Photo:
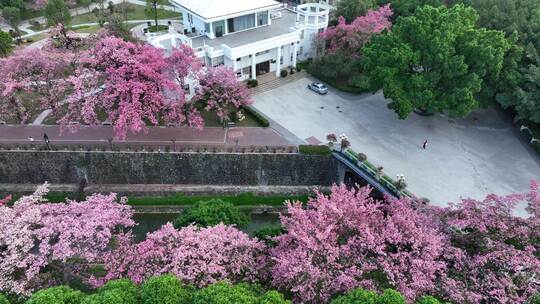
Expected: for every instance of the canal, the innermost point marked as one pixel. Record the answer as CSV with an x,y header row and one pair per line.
x,y
150,222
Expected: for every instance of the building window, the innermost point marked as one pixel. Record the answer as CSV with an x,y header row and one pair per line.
x,y
281,60
207,28
241,23
239,58
217,61
300,50
190,18
262,18
321,30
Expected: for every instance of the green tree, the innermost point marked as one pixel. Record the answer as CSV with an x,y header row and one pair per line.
x,y
3,299
6,44
427,300
12,15
154,9
57,12
436,61
351,9
266,233
56,295
225,293
210,213
409,7
165,289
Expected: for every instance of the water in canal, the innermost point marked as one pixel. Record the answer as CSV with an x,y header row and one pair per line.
x,y
149,222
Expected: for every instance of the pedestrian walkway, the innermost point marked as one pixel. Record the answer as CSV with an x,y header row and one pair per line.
x,y
16,135
269,81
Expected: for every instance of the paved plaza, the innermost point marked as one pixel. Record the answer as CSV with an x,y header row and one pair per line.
x,y
469,157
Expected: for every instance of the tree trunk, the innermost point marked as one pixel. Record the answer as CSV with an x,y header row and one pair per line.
x,y
156,13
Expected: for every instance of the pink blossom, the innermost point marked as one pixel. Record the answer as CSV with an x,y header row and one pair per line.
x,y
196,256
38,238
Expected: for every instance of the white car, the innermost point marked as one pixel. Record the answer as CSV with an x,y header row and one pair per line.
x,y
318,87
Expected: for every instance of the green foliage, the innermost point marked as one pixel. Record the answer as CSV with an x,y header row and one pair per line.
x,y
427,300
314,150
154,9
12,15
535,299
56,295
408,7
56,12
225,293
273,297
165,289
121,291
244,199
390,296
3,299
210,213
6,44
355,296
266,233
437,61
351,9
251,83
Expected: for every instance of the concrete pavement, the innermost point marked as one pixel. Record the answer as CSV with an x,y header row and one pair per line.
x,y
465,157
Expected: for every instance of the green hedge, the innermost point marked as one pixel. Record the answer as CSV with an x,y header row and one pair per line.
x,y
210,213
244,199
315,150
165,289
260,119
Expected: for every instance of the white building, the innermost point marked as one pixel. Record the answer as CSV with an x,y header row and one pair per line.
x,y
253,37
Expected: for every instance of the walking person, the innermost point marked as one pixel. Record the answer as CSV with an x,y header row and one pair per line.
x,y
46,140
424,144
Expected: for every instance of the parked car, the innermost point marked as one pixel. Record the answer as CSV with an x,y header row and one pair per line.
x,y
318,87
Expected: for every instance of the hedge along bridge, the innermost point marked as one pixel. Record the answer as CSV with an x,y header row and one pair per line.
x,y
353,172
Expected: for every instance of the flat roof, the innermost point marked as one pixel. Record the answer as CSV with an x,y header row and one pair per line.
x,y
210,9
278,27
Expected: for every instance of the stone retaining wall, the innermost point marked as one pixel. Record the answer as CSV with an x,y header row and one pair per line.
x,y
35,167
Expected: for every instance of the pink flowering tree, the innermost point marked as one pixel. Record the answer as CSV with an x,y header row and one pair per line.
x,y
43,244
220,91
32,80
128,84
348,240
352,37
184,63
495,254
198,256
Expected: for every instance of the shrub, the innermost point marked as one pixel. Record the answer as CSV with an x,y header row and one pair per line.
x,y
251,83
260,119
210,213
358,295
273,297
222,293
298,68
3,299
121,291
427,300
314,150
535,299
267,232
283,73
56,295
390,296
165,289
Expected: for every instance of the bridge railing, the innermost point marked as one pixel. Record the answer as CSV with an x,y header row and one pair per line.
x,y
383,179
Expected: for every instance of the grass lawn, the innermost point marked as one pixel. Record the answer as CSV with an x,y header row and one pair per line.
x,y
87,29
134,12
211,120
